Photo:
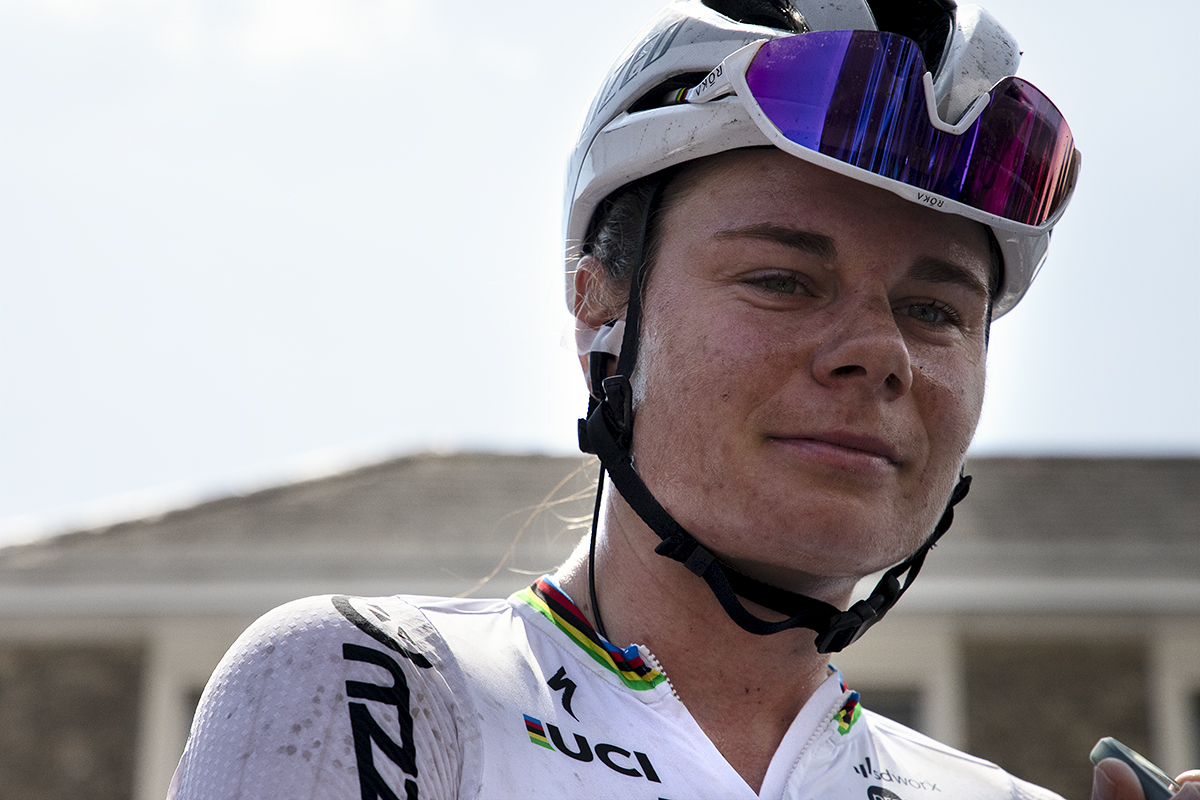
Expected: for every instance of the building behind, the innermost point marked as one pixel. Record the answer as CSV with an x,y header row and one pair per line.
x,y
1063,606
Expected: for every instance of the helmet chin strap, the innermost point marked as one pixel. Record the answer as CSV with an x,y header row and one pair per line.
x,y
608,432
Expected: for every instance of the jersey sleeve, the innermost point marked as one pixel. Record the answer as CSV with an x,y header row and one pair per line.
x,y
333,697
1023,790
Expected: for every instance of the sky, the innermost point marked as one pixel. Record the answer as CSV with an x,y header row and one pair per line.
x,y
247,242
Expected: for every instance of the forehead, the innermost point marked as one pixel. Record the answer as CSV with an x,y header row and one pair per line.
x,y
745,188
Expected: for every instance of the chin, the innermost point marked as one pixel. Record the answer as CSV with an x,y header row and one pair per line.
x,y
812,547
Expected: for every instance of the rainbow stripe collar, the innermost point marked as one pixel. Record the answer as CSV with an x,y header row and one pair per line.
x,y
628,664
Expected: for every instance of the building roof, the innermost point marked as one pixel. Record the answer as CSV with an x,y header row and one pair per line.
x,y
1094,500
426,523
1071,531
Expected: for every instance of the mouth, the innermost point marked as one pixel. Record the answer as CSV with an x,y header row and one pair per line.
x,y
846,449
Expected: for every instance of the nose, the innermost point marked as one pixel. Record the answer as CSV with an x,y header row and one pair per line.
x,y
864,348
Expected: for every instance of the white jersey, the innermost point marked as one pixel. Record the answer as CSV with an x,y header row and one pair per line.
x,y
416,697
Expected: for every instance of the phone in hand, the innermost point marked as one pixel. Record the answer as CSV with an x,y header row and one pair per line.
x,y
1156,784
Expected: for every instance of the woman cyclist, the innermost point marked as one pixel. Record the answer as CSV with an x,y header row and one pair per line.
x,y
789,227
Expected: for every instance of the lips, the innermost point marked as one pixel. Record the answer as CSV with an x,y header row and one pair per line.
x,y
851,445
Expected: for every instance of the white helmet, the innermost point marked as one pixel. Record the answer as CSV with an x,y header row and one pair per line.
x,y
632,131
708,76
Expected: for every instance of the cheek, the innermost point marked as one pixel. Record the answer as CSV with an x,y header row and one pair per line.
x,y
674,400
952,401
700,375
671,366
699,359
669,380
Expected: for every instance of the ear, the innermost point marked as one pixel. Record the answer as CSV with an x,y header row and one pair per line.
x,y
594,306
593,293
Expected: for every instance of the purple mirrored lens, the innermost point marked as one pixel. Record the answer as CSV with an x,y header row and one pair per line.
x,y
858,96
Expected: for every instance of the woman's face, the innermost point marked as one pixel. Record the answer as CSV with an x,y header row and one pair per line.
x,y
812,366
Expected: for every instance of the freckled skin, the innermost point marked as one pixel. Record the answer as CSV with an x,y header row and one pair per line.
x,y
736,381
810,374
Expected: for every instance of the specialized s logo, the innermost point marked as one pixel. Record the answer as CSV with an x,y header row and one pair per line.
x,y
561,683
618,759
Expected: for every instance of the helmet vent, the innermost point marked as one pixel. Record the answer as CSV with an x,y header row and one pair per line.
x,y
778,14
660,94
926,22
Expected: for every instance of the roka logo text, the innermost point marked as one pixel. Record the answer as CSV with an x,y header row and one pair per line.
x,y
930,200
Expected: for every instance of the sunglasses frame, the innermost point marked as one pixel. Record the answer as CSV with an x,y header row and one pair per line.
x,y
729,77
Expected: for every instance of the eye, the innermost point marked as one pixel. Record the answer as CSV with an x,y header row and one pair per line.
x,y
932,313
779,283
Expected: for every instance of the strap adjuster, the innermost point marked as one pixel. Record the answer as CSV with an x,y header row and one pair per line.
x,y
618,401
845,628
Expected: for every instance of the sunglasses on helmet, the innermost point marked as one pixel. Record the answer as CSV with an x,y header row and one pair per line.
x,y
864,99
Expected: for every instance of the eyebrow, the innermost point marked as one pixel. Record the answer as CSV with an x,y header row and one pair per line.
x,y
936,270
817,244
928,268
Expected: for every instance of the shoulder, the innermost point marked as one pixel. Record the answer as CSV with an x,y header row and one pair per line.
x,y
904,757
325,695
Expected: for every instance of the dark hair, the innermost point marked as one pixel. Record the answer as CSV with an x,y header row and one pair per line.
x,y
995,269
617,227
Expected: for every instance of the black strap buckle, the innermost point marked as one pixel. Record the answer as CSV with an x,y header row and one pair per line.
x,y
846,628
618,405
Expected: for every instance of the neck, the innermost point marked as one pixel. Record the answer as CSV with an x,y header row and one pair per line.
x,y
745,707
